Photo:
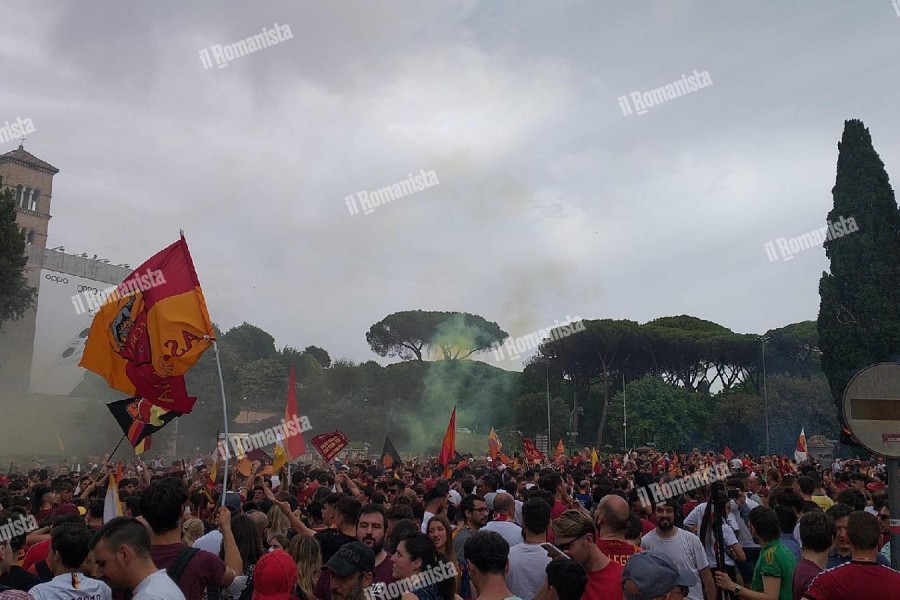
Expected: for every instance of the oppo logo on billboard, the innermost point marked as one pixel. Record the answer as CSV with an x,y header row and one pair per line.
x,y
84,288
56,279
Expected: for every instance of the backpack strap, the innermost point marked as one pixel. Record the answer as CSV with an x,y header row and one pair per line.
x,y
43,570
184,556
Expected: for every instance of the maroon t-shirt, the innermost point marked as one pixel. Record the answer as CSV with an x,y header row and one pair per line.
x,y
805,572
855,580
204,569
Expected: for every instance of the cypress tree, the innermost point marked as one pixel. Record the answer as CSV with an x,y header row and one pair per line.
x,y
16,297
859,311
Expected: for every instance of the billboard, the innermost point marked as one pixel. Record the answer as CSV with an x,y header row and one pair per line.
x,y
60,332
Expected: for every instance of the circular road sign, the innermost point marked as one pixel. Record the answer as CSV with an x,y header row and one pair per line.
x,y
872,408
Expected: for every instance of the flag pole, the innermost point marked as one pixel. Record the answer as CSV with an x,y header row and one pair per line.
x,y
225,419
117,447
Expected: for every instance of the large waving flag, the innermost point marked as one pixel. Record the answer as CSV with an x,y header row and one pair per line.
x,y
800,453
532,454
294,445
448,447
151,330
494,445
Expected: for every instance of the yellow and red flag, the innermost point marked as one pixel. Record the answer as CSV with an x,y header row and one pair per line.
x,y
595,460
448,447
151,330
560,451
294,445
800,453
494,445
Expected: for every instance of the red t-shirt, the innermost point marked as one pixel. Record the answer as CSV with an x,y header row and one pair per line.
x,y
304,496
36,554
855,580
617,550
558,509
605,584
805,572
204,569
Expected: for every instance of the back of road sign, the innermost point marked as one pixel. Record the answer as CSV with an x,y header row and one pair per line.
x,y
872,408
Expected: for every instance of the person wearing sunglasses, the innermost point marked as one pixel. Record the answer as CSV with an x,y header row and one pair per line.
x,y
575,535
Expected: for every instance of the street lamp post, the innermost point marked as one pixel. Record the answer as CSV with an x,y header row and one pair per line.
x,y
763,340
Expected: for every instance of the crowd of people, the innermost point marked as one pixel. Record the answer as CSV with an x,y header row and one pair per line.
x,y
621,526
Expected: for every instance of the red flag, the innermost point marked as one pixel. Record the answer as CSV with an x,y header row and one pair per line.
x,y
329,444
531,451
448,447
294,445
728,453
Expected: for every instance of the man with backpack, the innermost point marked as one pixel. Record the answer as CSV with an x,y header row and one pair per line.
x,y
193,570
69,547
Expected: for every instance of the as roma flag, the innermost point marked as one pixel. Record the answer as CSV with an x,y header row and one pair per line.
x,y
138,418
494,445
531,451
389,455
329,444
151,330
448,447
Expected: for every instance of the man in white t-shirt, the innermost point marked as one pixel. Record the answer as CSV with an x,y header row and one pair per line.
x,y
69,546
504,521
683,549
122,553
528,560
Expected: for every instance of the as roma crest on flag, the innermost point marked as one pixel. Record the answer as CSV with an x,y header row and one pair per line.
x,y
151,330
389,455
138,418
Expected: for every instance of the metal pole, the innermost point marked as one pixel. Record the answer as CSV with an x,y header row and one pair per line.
x,y
624,417
176,438
763,340
548,410
893,465
225,419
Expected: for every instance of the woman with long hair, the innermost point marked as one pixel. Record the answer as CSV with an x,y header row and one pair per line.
x,y
191,530
278,542
246,537
308,556
278,522
441,533
416,563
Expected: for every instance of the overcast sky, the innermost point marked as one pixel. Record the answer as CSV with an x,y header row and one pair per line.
x,y
551,202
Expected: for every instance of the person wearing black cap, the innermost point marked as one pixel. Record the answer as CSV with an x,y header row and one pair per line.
x,y
652,574
351,571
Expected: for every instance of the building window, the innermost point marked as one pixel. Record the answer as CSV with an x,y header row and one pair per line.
x,y
19,197
30,238
35,196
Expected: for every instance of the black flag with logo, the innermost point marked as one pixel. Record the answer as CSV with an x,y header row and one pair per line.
x,y
389,455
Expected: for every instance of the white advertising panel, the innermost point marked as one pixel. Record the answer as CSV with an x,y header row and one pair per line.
x,y
60,331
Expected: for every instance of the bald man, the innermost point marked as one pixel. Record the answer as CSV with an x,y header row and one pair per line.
x,y
262,523
504,521
611,517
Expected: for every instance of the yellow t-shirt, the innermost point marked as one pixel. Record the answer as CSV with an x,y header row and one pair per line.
x,y
824,502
